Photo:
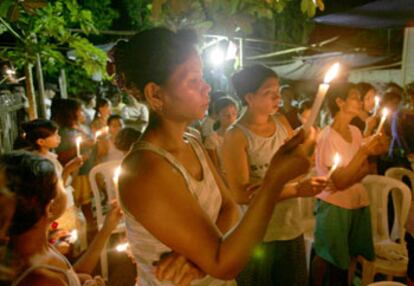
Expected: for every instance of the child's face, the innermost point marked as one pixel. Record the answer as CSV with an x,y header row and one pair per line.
x,y
52,141
227,115
115,126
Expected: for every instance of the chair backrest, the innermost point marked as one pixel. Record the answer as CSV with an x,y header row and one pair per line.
x,y
400,174
378,188
106,171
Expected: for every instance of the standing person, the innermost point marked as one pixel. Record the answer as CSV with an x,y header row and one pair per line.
x,y
102,112
248,148
343,222
89,105
365,121
69,115
110,152
226,110
177,209
288,110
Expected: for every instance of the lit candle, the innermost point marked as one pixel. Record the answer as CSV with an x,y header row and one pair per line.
x,y
122,247
73,236
336,162
78,146
384,116
377,103
115,178
323,88
97,134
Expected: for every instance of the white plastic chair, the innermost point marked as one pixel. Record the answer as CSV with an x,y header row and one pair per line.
x,y
391,257
399,174
308,220
107,170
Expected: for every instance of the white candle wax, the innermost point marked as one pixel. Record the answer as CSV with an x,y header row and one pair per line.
x,y
78,146
377,103
115,179
384,116
323,88
336,162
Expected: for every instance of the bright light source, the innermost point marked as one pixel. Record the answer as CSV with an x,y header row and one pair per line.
x,y
10,72
73,236
122,247
231,51
217,57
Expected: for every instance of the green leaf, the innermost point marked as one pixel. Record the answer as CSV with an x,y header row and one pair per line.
x,y
5,6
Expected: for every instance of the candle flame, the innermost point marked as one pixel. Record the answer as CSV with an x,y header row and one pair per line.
x,y
377,100
122,247
98,133
78,140
117,173
331,73
385,112
73,236
337,159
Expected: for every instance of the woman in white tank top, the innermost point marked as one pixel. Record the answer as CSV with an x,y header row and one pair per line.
x,y
177,207
248,148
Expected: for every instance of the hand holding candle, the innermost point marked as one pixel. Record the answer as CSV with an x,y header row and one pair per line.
x,y
322,90
336,162
78,146
384,116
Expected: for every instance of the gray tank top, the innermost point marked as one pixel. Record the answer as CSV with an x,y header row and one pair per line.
x,y
285,222
146,248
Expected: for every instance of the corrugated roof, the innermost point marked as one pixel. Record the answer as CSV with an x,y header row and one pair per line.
x,y
375,15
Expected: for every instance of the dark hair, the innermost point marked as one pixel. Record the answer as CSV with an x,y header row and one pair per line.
x,y
363,88
250,78
152,56
64,112
112,118
223,102
304,104
38,129
125,138
338,90
102,101
390,96
86,96
32,179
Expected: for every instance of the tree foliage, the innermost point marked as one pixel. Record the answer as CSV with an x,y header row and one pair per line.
x,y
47,31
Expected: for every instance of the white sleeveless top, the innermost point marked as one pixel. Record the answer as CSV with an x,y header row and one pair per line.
x,y
285,222
146,248
69,273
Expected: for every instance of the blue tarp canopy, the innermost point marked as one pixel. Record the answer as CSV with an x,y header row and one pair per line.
x,y
381,14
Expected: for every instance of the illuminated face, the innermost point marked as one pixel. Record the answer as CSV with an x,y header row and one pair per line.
x,y
369,100
105,110
186,93
352,104
227,115
115,126
266,99
53,141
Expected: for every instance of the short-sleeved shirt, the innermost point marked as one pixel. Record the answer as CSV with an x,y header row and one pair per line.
x,y
329,143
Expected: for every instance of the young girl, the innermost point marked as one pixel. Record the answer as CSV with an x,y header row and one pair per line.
x,y
69,115
248,148
225,109
42,135
102,113
364,120
343,225
110,152
32,180
176,206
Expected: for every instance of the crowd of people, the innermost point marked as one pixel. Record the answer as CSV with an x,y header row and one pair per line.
x,y
208,198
